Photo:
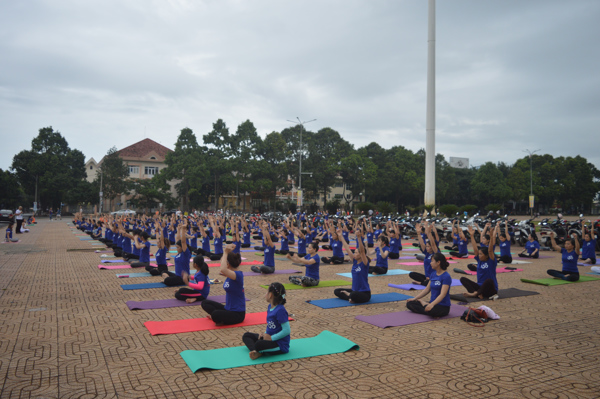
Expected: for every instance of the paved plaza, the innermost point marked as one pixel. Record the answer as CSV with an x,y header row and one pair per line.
x,y
65,332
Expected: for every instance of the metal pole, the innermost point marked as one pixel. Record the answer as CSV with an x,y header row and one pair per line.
x,y
531,174
430,125
299,192
101,194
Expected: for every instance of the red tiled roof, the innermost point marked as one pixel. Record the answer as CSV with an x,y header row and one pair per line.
x,y
143,148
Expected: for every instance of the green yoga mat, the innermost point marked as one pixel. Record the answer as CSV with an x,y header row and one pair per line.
x,y
326,343
322,283
556,281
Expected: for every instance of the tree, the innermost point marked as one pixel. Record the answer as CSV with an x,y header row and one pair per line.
x,y
358,172
50,166
188,164
113,173
11,193
489,185
148,193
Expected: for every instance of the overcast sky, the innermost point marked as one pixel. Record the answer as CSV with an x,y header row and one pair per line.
x,y
511,75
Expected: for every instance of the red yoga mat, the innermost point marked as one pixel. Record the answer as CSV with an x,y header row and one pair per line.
x,y
254,262
202,324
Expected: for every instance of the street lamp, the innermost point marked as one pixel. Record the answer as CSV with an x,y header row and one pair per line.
x,y
531,177
300,163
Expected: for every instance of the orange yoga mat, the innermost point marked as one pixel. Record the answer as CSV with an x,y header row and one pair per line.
x,y
190,325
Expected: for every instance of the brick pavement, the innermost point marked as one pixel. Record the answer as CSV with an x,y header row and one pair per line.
x,y
65,332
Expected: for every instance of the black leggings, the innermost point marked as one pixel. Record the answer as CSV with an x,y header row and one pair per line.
x,y
437,311
219,315
263,269
245,246
173,280
377,270
336,260
253,343
455,254
215,256
486,290
282,251
451,248
299,254
526,255
157,271
393,255
420,278
185,293
140,264
328,247
354,296
505,259
567,276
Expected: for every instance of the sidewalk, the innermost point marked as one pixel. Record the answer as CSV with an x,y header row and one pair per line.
x,y
65,332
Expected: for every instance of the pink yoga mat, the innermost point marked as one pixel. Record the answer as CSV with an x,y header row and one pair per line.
x,y
112,267
498,270
397,319
419,263
202,324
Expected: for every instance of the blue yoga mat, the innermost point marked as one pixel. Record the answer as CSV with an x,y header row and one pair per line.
x,y
391,272
146,274
143,286
377,298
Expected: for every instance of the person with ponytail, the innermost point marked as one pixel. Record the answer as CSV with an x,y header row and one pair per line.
x,y
164,245
486,286
312,262
234,310
182,260
276,339
439,286
462,244
429,248
381,252
361,291
199,284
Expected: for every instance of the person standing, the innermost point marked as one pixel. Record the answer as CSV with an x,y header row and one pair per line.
x,y
19,219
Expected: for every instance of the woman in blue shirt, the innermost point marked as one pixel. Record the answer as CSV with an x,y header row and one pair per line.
x,y
199,283
532,248
486,285
505,254
276,339
428,248
462,244
570,254
588,249
268,266
312,262
234,310
143,245
439,286
182,260
382,252
336,245
164,245
361,291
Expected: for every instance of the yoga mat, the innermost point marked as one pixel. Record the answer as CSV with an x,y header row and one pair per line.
x,y
498,270
284,271
123,261
468,257
253,262
204,323
406,257
408,287
86,239
397,319
169,303
505,293
102,252
518,262
131,275
391,272
113,267
326,343
322,283
145,286
331,303
556,281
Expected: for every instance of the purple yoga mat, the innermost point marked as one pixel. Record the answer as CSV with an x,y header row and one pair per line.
x,y
406,257
408,287
397,319
285,271
169,303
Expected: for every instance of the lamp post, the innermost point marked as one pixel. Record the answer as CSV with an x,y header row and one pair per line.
x,y
300,155
531,178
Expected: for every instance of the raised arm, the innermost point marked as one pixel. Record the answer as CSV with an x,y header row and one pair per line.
x,y
492,242
473,242
421,243
432,243
344,243
361,246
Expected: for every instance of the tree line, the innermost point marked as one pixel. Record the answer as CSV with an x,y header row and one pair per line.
x,y
225,162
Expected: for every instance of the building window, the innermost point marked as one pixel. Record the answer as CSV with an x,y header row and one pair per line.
x,y
151,170
339,184
153,157
339,196
348,186
134,170
91,167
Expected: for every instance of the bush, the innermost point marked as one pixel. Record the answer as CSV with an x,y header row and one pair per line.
x,y
470,209
333,206
385,208
449,209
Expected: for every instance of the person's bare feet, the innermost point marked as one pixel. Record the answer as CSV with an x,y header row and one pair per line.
x,y
350,300
255,355
208,317
190,300
470,295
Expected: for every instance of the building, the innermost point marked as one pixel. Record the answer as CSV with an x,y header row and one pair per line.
x,y
145,159
90,169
